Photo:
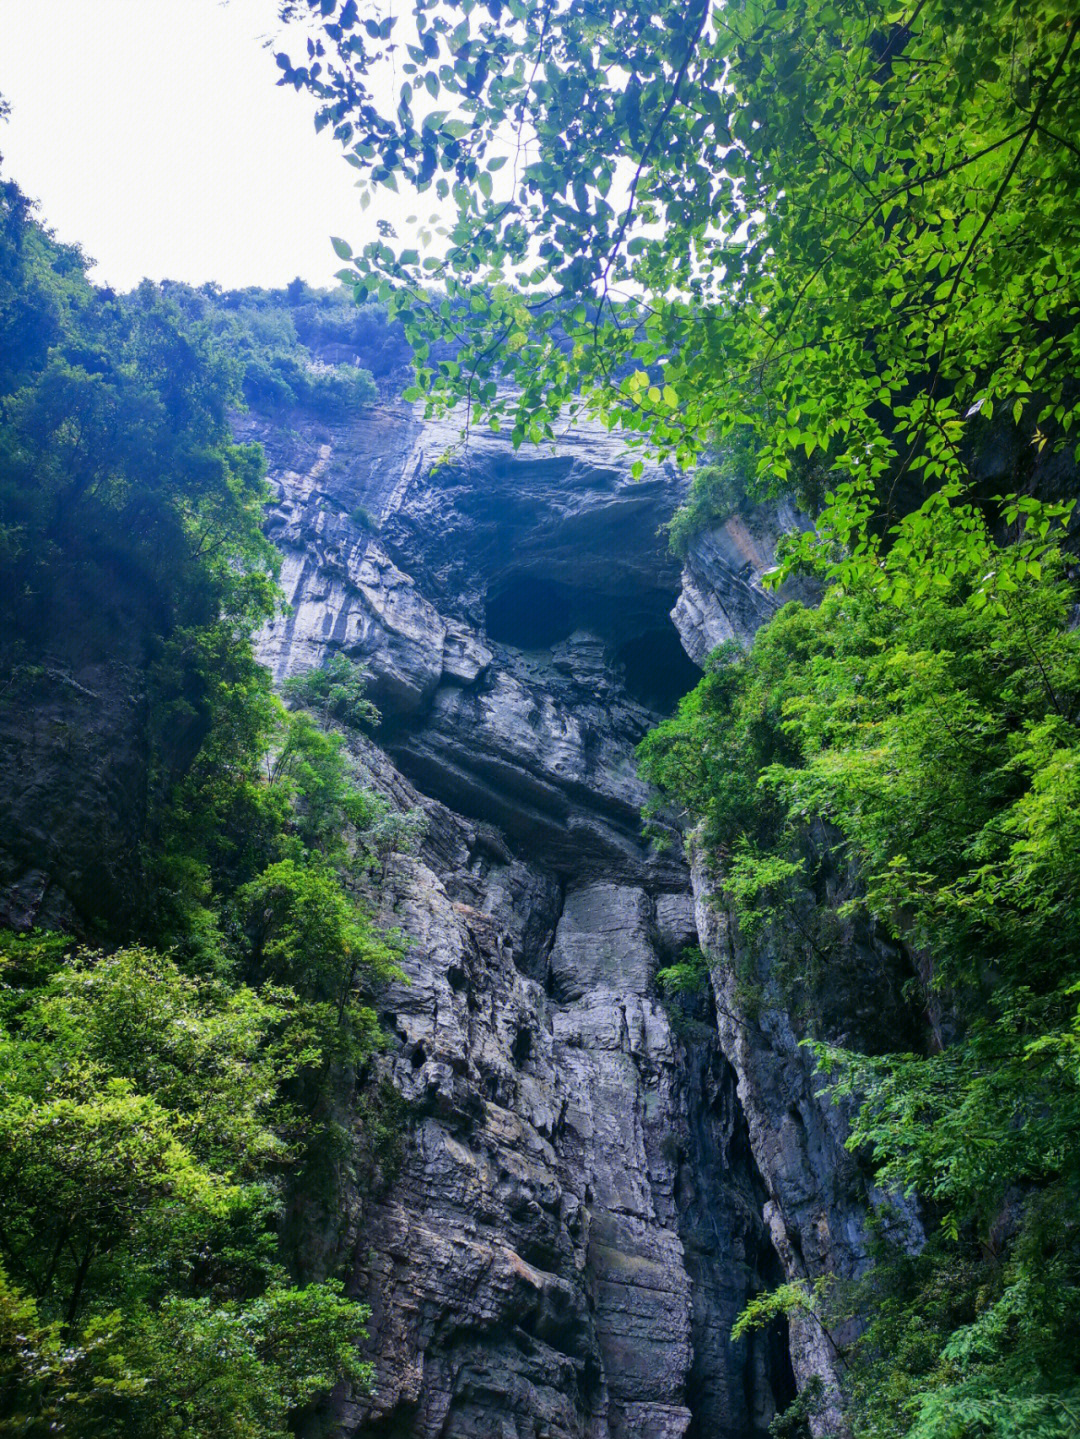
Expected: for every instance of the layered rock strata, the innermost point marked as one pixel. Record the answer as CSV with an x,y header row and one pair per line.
x,y
578,1217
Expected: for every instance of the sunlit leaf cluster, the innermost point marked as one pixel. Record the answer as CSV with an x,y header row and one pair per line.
x,y
853,229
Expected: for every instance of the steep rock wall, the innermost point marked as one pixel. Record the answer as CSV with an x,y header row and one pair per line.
x,y
578,1217
722,596
74,750
820,1198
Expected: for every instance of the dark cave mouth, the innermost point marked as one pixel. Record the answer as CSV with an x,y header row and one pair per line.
x,y
657,670
532,612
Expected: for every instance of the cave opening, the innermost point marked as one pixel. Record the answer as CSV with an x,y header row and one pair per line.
x,y
522,1047
657,670
533,612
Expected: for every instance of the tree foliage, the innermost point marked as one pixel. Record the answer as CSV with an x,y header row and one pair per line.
x,y
835,246
337,690
115,452
939,742
836,227
144,1128
169,1099
279,342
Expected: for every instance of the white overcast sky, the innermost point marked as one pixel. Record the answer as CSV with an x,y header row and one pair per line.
x,y
153,134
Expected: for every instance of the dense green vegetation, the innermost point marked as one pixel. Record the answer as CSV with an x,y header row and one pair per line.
x,y
300,347
178,1098
143,1126
940,742
831,227
832,247
279,346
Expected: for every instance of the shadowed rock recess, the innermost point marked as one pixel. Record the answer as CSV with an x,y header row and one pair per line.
x,y
581,1208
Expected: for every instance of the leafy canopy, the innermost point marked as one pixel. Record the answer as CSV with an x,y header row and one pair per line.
x,y
116,458
840,227
274,337
143,1119
927,755
179,1112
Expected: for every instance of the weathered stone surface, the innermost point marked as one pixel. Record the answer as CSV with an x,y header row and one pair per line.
x,y
73,784
577,1220
74,744
510,610
820,1196
546,760
722,596
583,1203
676,922
533,1236
603,941
591,1185
543,1262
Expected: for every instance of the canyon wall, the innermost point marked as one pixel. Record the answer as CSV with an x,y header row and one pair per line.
x,y
591,1183
589,1190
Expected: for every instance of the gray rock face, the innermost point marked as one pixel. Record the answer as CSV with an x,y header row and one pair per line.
x,y
73,776
74,743
512,611
577,1219
589,1190
575,1225
603,942
820,1196
722,596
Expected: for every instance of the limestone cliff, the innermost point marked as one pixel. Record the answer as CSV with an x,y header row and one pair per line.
x,y
588,1195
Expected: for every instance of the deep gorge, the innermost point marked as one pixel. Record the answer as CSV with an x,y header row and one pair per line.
x,y
586,1196
540,784
583,1207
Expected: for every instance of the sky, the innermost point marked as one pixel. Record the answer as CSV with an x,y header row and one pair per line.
x,y
153,134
